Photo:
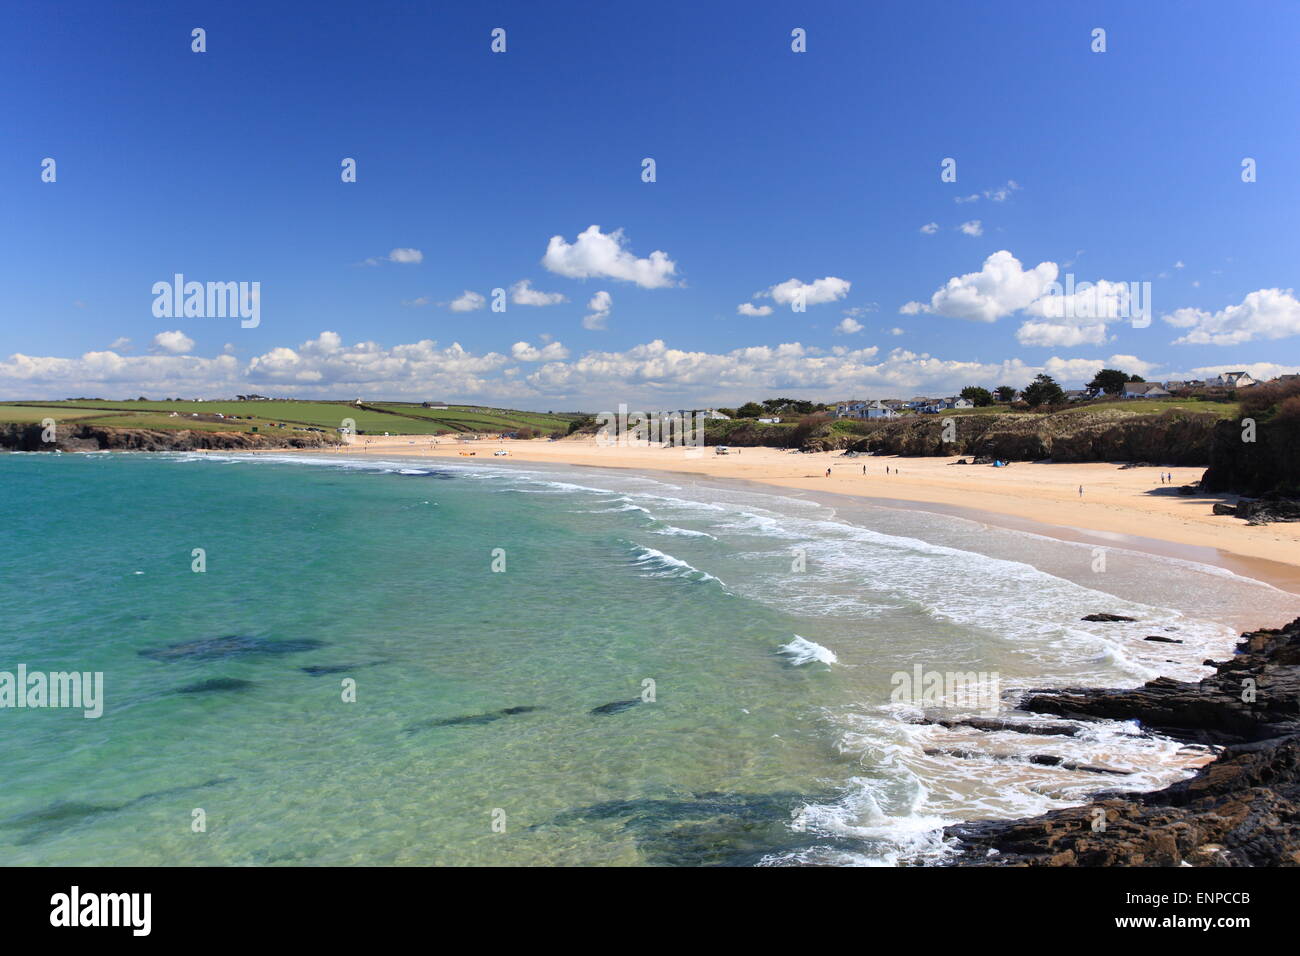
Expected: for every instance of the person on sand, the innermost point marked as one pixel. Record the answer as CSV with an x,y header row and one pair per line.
x,y
828,472
864,469
1081,491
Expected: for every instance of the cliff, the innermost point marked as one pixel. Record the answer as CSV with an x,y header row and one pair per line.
x,y
1268,465
27,437
1171,438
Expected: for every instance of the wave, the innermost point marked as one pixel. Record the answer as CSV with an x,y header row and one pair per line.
x,y
655,563
803,651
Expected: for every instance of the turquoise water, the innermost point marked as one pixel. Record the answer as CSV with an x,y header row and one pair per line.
x,y
481,695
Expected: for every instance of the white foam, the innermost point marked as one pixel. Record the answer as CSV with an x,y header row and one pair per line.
x,y
803,651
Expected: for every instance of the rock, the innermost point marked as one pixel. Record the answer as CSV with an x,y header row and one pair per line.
x,y
613,707
1220,508
1242,809
1162,640
1108,618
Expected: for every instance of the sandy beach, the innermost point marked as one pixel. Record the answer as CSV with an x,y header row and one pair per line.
x,y
1125,507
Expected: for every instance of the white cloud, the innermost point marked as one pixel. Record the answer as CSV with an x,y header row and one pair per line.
x,y
1263,314
652,374
817,292
550,352
176,343
597,255
418,301
895,331
1060,336
403,256
748,308
522,293
1179,264
997,194
120,344
1001,287
972,228
848,327
929,229
467,302
1260,371
599,305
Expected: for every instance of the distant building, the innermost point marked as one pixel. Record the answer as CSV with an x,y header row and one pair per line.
x,y
851,409
1077,394
880,410
1232,380
433,405
1144,390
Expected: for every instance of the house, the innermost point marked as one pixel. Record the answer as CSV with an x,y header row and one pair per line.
x,y
1077,394
1183,387
962,403
770,421
1232,380
851,409
880,410
1144,390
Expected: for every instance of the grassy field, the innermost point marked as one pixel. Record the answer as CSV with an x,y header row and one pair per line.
x,y
1135,406
277,416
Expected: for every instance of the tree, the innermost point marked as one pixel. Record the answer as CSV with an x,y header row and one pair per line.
x,y
1043,390
979,397
1110,380
1005,393
749,410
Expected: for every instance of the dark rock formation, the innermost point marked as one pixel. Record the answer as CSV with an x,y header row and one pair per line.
x,y
27,437
1263,510
1269,464
1242,809
1107,618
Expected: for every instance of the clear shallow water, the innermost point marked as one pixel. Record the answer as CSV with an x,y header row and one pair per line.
x,y
772,738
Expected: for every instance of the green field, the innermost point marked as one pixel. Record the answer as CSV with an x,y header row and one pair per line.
x,y
280,416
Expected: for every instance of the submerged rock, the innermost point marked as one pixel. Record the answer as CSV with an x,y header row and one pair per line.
x,y
469,719
613,707
1107,618
232,645
216,684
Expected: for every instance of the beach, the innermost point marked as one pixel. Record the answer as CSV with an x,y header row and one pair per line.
x,y
1128,506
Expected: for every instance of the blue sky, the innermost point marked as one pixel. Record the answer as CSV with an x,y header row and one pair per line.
x,y
771,166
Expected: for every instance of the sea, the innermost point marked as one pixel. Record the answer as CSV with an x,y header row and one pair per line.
x,y
334,660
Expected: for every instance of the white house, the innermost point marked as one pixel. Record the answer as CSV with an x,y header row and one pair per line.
x,y
880,410
1144,390
851,410
1232,380
962,403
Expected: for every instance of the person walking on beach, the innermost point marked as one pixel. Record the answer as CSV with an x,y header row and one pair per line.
x,y
1081,491
864,469
828,472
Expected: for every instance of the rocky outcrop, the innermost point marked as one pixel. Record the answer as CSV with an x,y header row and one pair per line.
x,y
24,437
1255,461
1242,809
1264,510
1171,438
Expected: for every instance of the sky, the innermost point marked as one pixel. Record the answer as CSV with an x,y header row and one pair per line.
x,y
916,178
